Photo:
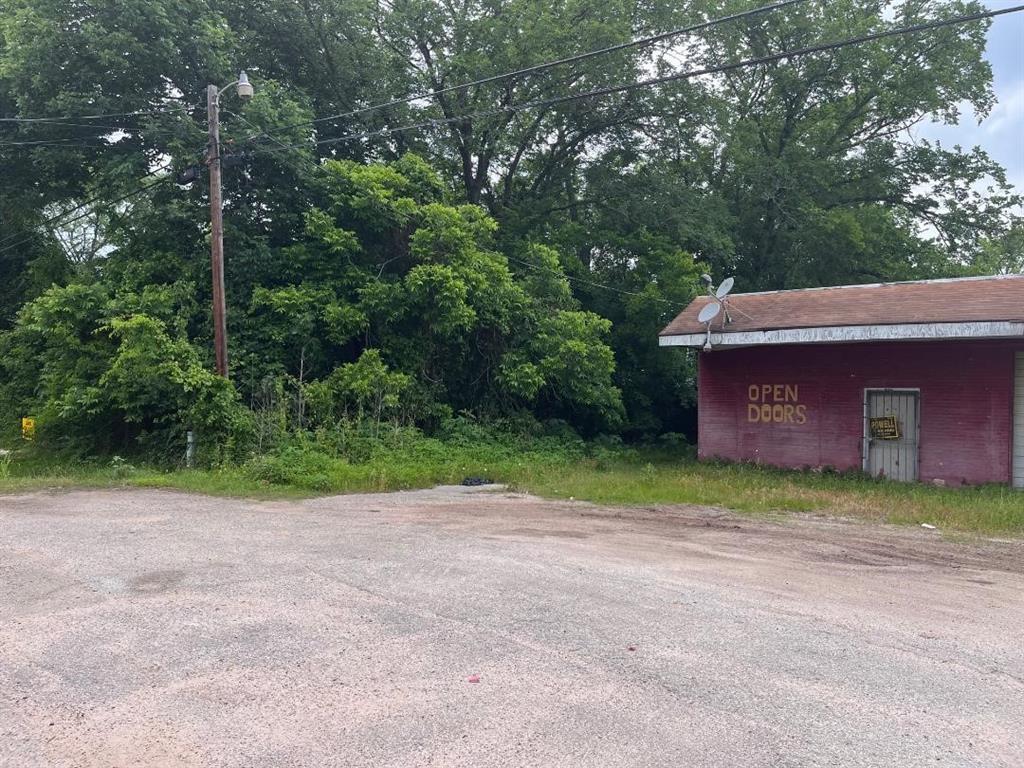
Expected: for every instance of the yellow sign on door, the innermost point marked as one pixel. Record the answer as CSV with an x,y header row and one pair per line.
x,y
884,428
28,428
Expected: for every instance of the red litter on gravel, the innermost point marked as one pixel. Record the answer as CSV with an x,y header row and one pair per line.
x,y
631,648
473,679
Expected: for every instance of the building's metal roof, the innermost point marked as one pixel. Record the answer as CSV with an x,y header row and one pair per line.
x,y
973,299
975,307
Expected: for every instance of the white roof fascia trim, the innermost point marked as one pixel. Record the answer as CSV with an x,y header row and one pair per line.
x,y
849,333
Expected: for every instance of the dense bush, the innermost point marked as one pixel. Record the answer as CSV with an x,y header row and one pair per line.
x,y
99,377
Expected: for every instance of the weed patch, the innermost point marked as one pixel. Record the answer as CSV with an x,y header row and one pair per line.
x,y
556,467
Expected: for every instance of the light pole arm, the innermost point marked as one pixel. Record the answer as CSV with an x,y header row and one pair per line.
x,y
221,91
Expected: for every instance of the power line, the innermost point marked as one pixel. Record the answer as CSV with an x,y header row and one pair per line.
x,y
640,84
718,69
64,118
76,141
98,198
264,132
63,123
574,279
61,221
638,43
87,202
316,166
122,198
71,122
926,26
108,131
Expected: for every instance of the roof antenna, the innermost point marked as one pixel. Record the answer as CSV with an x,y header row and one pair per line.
x,y
708,313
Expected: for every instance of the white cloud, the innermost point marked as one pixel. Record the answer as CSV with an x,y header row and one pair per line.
x,y
1008,114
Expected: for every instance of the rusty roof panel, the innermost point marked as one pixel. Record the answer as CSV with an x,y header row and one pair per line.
x,y
999,298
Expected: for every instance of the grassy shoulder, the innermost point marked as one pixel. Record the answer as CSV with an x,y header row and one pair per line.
x,y
988,510
307,467
555,470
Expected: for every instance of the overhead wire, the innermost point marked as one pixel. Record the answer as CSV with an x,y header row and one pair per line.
x,y
540,103
87,202
64,118
72,141
584,281
717,69
5,242
63,123
71,122
269,135
637,43
61,220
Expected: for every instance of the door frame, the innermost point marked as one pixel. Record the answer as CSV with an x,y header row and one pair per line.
x,y
865,444
1016,440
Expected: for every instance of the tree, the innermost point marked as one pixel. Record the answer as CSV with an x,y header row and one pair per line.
x,y
419,282
501,158
813,157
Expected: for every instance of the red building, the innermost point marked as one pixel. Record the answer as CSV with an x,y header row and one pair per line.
x,y
913,381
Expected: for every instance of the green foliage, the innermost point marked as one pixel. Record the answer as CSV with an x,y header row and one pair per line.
x,y
814,172
658,477
406,313
429,307
100,380
359,457
301,467
506,263
120,470
363,390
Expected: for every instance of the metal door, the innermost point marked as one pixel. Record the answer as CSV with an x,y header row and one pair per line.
x,y
1018,424
890,433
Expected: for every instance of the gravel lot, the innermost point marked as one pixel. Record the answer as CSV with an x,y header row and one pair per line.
x,y
151,628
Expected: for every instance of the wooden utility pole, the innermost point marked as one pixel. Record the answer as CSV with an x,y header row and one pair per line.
x,y
220,326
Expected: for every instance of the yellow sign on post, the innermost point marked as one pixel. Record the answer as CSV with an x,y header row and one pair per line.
x,y
28,428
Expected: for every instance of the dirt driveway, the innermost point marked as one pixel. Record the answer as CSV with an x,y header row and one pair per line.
x,y
150,628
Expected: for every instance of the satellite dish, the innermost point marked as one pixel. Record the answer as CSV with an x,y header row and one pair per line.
x,y
708,312
724,288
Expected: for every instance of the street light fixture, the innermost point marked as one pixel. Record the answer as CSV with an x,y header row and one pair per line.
x,y
244,91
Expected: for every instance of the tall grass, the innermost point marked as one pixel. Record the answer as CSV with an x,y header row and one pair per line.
x,y
985,509
337,462
556,467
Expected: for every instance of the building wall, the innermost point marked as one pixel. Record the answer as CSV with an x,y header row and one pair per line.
x,y
815,399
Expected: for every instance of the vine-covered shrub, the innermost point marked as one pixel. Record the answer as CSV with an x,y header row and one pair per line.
x,y
100,378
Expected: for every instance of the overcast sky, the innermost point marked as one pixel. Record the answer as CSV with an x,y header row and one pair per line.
x,y
1001,134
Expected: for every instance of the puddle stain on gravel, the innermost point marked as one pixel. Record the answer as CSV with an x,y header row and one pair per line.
x,y
540,533
157,581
